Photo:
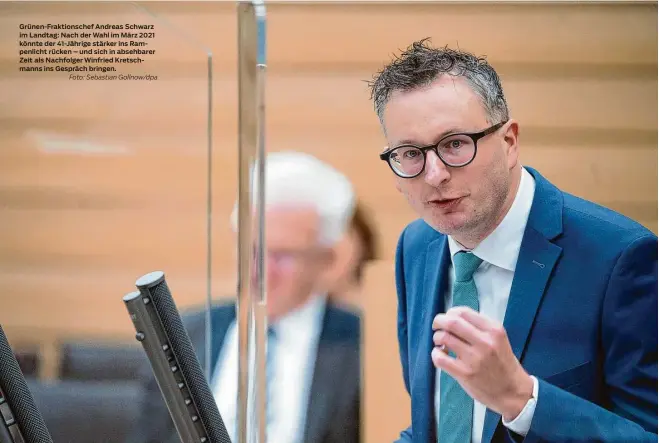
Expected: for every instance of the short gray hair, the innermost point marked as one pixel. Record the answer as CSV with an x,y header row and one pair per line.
x,y
420,64
296,180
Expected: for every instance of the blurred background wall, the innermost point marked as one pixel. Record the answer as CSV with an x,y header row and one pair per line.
x,y
101,182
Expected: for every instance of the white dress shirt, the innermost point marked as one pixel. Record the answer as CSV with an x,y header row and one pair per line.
x,y
493,278
295,348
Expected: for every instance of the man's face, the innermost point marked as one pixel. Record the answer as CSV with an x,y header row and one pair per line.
x,y
295,261
455,201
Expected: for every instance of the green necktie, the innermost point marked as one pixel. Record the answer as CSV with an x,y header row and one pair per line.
x,y
455,406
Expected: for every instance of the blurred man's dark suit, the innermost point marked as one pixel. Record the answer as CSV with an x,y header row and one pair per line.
x,y
333,413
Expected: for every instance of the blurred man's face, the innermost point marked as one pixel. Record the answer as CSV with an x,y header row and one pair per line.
x,y
295,262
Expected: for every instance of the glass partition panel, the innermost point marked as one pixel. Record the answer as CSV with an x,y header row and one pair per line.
x,y
104,177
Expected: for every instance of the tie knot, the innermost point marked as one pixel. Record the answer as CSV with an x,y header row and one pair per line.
x,y
271,332
465,264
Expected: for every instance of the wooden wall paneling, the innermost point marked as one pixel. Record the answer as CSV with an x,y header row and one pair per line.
x,y
323,99
386,404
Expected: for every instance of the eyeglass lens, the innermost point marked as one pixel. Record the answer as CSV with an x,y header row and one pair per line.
x,y
455,151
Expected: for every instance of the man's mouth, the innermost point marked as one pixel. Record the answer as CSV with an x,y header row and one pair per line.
x,y
444,203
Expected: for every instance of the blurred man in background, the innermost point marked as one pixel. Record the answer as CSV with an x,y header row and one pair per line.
x,y
313,356
542,307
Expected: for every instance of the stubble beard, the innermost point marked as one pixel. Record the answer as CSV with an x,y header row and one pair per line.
x,y
473,222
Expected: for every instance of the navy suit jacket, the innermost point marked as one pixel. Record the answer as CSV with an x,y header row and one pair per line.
x,y
581,317
333,412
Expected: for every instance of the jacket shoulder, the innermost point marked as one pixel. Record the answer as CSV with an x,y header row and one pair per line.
x,y
600,224
195,318
418,233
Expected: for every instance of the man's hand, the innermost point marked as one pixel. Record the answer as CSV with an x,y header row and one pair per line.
x,y
484,363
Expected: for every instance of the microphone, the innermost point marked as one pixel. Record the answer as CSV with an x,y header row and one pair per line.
x,y
177,370
20,420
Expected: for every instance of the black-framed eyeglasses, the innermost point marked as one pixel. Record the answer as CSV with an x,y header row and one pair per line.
x,y
454,150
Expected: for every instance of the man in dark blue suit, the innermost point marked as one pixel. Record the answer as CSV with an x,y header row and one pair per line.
x,y
313,352
525,313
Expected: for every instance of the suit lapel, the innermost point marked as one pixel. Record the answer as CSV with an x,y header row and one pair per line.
x,y
324,389
332,355
423,387
535,264
221,317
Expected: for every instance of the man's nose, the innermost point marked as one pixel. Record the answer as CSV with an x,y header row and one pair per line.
x,y
436,171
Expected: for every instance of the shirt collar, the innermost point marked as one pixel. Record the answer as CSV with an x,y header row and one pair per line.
x,y
501,247
302,320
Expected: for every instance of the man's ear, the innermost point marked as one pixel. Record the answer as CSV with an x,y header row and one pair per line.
x,y
327,270
329,256
510,139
